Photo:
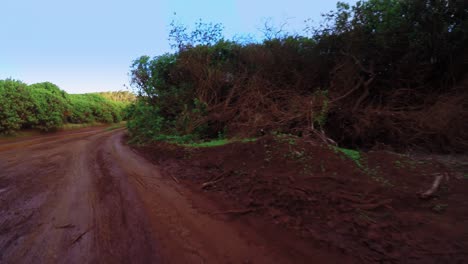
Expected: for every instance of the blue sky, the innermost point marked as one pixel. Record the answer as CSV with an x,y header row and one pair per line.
x,y
88,45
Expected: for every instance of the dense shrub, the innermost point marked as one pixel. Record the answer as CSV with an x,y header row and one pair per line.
x,y
146,122
45,106
93,108
50,106
376,72
16,106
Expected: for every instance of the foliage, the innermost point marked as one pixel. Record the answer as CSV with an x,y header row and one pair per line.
x,y
379,71
46,107
119,96
94,108
50,106
146,122
217,142
211,143
16,105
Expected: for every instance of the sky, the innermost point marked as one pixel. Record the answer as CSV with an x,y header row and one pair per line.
x,y
89,45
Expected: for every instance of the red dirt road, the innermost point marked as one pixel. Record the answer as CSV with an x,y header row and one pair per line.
x,y
85,197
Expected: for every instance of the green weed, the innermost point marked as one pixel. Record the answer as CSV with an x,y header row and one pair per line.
x,y
192,142
208,144
217,143
351,154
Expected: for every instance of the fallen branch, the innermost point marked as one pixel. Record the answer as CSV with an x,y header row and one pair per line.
x,y
360,82
210,183
321,135
435,186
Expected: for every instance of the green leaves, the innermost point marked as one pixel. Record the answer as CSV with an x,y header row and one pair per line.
x,y
45,107
50,105
16,105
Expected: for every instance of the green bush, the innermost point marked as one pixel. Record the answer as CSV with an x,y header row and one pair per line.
x,y
50,106
146,122
16,106
86,108
46,107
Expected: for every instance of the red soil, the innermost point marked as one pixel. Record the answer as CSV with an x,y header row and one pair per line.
x,y
308,195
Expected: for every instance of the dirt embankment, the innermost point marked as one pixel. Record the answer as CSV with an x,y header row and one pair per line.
x,y
367,209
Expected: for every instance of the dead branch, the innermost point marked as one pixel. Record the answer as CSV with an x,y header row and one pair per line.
x,y
210,183
435,186
364,95
369,70
357,86
321,135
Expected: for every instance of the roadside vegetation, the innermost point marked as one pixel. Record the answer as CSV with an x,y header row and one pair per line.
x,y
44,106
377,73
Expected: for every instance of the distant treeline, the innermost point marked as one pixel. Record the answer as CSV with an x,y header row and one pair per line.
x,y
119,96
46,107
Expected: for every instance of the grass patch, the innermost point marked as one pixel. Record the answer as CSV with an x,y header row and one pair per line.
x,y
208,144
217,142
351,154
189,141
76,126
356,156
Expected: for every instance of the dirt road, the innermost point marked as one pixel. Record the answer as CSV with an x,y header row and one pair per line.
x,y
86,197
